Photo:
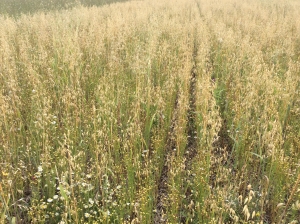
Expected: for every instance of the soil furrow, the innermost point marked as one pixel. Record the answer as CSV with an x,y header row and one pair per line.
x,y
223,144
191,146
162,196
191,116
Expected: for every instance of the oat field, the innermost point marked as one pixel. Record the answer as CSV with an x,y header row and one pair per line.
x,y
153,111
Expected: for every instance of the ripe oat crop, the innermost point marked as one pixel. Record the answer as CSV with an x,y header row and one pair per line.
x,y
181,111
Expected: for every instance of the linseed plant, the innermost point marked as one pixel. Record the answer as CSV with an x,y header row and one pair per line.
x,y
151,112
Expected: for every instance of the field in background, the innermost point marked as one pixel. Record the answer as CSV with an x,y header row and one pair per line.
x,y
18,7
182,111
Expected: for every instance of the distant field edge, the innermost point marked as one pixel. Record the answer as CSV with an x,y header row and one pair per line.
x,y
15,8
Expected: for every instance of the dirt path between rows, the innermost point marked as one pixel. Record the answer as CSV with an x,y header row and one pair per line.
x,y
162,196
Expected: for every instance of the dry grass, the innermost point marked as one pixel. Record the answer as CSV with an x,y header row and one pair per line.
x,y
151,112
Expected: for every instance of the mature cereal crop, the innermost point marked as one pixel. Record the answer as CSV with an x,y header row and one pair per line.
x,y
181,111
